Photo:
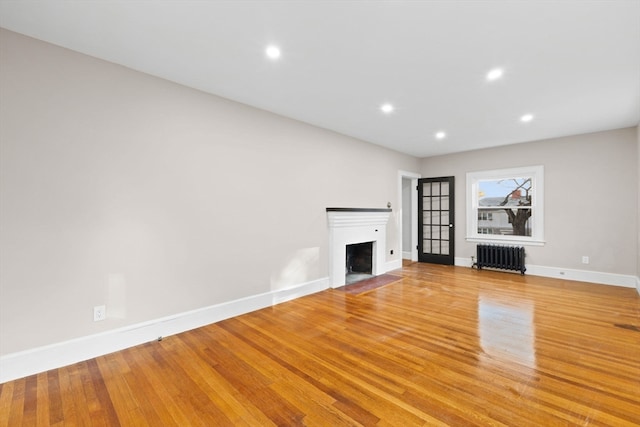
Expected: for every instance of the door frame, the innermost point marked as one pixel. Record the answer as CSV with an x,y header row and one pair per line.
x,y
414,212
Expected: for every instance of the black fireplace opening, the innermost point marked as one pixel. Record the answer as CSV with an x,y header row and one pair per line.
x,y
359,262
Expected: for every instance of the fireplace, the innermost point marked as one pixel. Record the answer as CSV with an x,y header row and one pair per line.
x,y
359,262
356,226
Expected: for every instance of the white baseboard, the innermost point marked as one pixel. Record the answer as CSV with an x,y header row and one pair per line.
x,y
612,279
406,255
462,262
393,265
41,359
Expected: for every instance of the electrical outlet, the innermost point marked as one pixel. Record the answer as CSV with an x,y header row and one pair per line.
x,y
585,259
391,251
99,313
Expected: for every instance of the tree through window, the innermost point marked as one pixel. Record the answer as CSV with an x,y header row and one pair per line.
x,y
508,203
505,205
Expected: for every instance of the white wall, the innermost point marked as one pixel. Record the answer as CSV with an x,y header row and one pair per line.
x,y
591,189
406,217
117,187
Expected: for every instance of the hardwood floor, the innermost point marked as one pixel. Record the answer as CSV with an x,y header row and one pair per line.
x,y
439,346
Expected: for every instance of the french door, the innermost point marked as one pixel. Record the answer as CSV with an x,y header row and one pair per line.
x,y
436,220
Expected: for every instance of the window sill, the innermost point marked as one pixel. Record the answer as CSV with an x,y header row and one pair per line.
x,y
503,241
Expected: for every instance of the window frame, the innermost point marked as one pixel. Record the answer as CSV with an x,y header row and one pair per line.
x,y
537,205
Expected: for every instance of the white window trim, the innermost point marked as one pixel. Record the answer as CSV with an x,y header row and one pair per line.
x,y
537,205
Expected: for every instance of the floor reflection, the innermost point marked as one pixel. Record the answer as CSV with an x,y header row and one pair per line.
x,y
507,332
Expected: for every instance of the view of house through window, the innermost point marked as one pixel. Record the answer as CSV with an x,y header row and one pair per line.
x,y
506,205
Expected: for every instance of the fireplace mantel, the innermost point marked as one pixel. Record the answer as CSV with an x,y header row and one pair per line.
x,y
358,209
346,217
355,225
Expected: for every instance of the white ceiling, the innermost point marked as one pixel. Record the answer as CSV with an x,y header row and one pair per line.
x,y
574,65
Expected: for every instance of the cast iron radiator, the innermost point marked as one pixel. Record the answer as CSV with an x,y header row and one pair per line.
x,y
503,257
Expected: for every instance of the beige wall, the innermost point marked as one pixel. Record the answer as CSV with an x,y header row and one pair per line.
x,y
125,189
591,189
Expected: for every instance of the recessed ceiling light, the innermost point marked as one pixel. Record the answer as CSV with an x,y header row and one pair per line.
x,y
273,52
386,108
495,74
441,135
526,118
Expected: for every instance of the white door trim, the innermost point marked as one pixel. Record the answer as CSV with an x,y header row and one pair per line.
x,y
414,211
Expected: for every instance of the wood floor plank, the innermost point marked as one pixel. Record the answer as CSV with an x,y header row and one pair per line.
x,y
43,402
303,377
440,346
113,369
67,397
363,391
54,397
77,393
165,390
101,407
12,403
29,411
248,380
189,393
232,407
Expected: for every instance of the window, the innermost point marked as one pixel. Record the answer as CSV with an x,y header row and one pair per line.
x,y
506,206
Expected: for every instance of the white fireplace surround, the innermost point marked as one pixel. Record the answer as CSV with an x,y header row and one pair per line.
x,y
355,225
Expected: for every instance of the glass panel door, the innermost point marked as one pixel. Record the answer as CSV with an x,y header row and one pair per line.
x,y
436,215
